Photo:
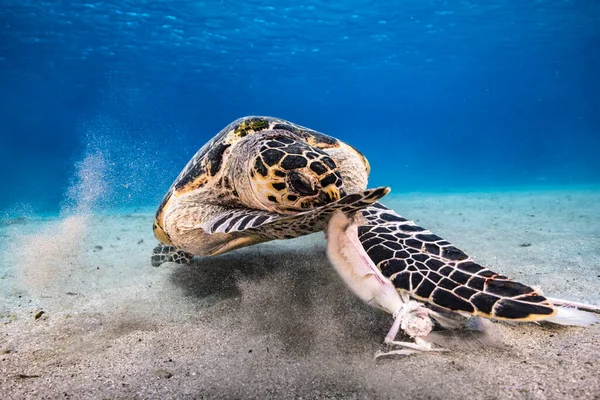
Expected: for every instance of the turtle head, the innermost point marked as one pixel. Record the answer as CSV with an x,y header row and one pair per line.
x,y
290,175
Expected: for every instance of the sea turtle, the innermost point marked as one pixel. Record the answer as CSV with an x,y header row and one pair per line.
x,y
259,179
263,178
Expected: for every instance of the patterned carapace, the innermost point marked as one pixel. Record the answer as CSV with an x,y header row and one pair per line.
x,y
288,169
288,174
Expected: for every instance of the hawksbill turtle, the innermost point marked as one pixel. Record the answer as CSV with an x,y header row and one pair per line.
x,y
264,178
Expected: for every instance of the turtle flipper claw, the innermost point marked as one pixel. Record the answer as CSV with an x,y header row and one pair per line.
x,y
164,253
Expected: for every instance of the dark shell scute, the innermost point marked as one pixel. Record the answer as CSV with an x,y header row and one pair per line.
x,y
351,198
392,218
449,300
415,244
328,180
425,288
285,140
379,253
476,283
464,292
363,229
196,170
432,249
295,148
390,267
507,288
470,267
512,309
318,168
434,264
293,162
329,162
393,245
274,144
533,298
447,284
459,277
215,157
411,228
434,276
428,237
453,253
402,280
484,302
260,167
421,257
272,156
415,279
279,186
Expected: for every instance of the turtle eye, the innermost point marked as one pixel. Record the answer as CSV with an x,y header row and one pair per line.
x,y
301,184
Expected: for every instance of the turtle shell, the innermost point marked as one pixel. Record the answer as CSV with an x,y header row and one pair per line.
x,y
205,168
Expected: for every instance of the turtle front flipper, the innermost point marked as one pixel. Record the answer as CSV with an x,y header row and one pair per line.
x,y
163,253
262,225
220,229
432,270
385,259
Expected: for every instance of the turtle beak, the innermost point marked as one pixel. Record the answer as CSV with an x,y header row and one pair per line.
x,y
302,184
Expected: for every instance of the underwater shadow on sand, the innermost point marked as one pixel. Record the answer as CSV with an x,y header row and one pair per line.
x,y
292,293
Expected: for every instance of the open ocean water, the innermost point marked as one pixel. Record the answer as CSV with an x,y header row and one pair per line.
x,y
482,116
439,95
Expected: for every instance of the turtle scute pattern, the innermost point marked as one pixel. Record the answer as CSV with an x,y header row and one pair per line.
x,y
208,161
280,168
433,270
282,226
293,175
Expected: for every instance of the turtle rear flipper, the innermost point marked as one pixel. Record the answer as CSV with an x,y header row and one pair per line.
x,y
163,253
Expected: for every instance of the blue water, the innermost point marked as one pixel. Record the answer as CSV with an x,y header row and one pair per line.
x,y
439,95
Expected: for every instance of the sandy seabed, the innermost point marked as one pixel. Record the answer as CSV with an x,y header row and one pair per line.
x,y
85,315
